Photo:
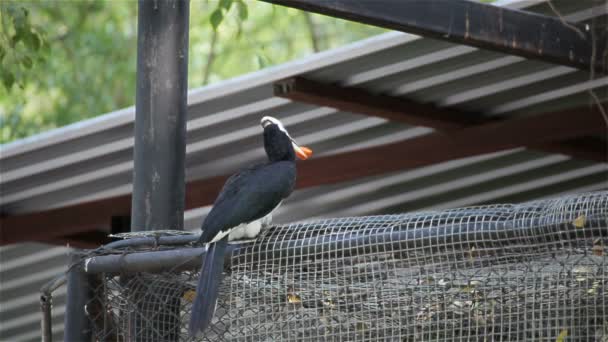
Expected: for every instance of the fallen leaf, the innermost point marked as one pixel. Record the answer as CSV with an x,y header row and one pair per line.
x,y
597,250
562,335
580,221
189,295
293,298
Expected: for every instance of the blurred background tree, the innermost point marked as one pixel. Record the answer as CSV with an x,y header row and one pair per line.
x,y
65,61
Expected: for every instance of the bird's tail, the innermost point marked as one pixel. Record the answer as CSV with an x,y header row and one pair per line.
x,y
207,290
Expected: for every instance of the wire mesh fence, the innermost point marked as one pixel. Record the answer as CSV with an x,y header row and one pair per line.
x,y
529,272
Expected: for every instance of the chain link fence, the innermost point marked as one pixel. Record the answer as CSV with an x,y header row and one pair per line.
x,y
529,272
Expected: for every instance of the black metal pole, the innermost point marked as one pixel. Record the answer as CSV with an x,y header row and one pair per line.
x,y
77,324
160,115
46,306
46,303
160,149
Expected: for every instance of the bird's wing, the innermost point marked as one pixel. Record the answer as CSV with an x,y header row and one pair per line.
x,y
249,195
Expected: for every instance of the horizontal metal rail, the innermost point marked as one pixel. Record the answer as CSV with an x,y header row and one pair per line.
x,y
524,233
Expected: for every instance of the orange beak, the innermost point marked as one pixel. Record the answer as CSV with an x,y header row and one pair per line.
x,y
302,152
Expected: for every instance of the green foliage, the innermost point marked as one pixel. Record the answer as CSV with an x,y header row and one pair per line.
x,y
85,67
242,8
82,61
20,44
216,18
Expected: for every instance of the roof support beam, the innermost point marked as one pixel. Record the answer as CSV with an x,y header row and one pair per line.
x,y
438,147
48,225
412,113
421,151
489,27
585,148
356,100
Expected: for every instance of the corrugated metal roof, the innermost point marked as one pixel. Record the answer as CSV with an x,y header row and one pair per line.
x,y
93,159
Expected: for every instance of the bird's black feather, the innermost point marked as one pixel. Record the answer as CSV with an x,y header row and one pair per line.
x,y
208,287
247,196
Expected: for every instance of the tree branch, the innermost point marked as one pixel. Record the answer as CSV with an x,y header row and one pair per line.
x,y
312,29
210,57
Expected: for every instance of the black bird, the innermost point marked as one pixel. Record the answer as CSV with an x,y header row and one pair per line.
x,y
241,210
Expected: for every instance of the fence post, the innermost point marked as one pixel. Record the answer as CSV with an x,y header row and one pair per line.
x,y
159,154
160,115
77,324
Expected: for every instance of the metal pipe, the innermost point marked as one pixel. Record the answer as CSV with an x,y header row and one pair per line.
x,y
524,233
151,241
154,262
160,145
77,324
160,115
186,239
46,304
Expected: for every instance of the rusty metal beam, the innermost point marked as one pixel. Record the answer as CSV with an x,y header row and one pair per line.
x,y
45,225
91,216
473,23
585,148
95,238
443,146
357,100
421,151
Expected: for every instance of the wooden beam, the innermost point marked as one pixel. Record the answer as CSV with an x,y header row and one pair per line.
x,y
74,219
97,215
585,148
421,151
443,146
473,23
356,100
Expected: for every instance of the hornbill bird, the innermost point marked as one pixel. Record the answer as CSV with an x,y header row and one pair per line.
x,y
243,207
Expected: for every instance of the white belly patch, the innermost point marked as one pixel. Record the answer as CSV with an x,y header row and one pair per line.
x,y
246,230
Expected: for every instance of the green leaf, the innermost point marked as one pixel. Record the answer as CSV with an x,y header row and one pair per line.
x,y
8,79
226,4
261,61
19,18
27,62
32,40
242,9
44,47
216,18
19,34
562,335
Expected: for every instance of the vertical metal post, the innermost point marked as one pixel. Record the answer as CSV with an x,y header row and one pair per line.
x,y
46,303
160,115
160,149
77,324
